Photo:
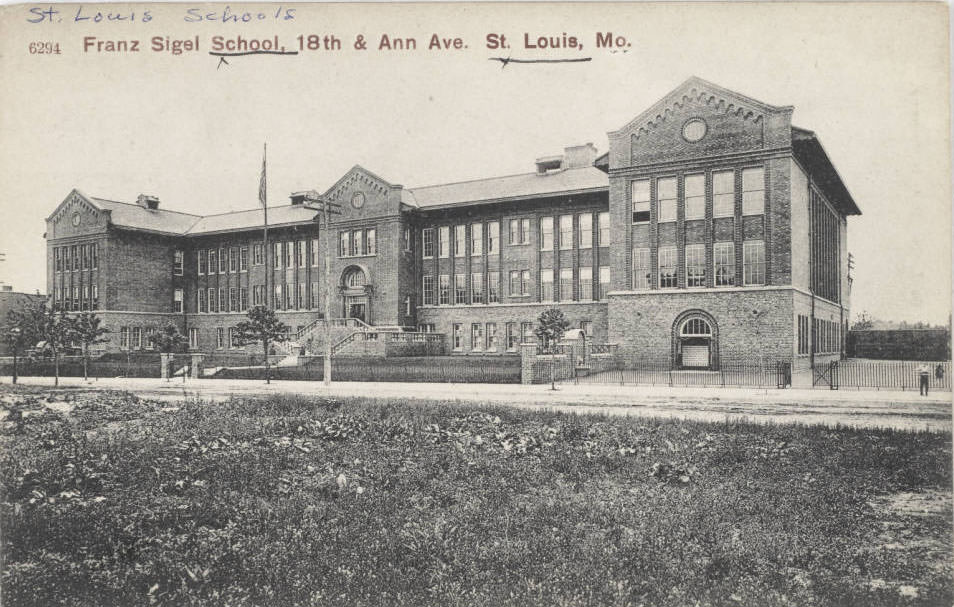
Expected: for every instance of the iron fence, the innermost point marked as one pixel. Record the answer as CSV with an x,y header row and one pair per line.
x,y
902,375
661,373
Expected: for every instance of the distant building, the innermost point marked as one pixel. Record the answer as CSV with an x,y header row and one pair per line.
x,y
713,230
14,300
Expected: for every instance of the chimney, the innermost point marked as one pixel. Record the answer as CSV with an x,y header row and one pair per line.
x,y
549,163
578,156
148,202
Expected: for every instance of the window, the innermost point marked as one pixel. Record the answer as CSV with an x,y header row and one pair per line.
x,y
211,293
193,338
566,284
177,296
357,242
695,327
124,337
371,241
443,292
222,261
178,261
666,199
696,265
136,340
546,285
493,238
213,261
641,201
604,281
427,290
476,239
257,296
407,239
277,297
344,244
802,334
289,291
493,287
277,255
243,259
407,305
300,257
95,296
315,295
753,262
513,337
586,230
302,302
491,337
219,338
233,260
443,241
753,191
723,254
314,252
587,327
289,254
546,233
426,327
566,232
723,194
57,261
243,299
477,336
519,231
526,332
695,196
76,260
257,254
604,226
460,289
460,240
223,302
525,281
586,283
94,254
458,336
515,287
642,270
427,242
477,287
667,267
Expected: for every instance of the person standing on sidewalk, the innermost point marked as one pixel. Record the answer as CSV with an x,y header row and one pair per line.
x,y
924,373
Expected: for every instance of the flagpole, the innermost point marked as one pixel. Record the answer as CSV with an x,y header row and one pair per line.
x,y
263,195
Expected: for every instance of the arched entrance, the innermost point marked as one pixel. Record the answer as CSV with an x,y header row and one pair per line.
x,y
695,341
356,294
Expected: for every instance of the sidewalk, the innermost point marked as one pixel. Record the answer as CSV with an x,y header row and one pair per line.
x,y
900,410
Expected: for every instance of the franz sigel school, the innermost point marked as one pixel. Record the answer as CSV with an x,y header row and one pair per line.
x,y
712,231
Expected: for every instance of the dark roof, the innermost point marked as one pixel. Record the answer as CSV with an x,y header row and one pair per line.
x,y
513,187
129,215
252,219
809,152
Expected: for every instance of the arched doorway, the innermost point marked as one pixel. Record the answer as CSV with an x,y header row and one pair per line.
x,y
355,292
695,341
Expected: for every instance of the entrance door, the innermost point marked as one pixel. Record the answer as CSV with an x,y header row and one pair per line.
x,y
357,310
695,357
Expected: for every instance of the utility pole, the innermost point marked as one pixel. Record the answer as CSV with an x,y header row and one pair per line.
x,y
314,201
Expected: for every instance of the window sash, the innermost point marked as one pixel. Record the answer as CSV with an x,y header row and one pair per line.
x,y
546,285
443,242
723,254
585,280
642,270
460,240
723,194
476,239
586,230
566,232
753,263
477,287
667,268
493,287
427,290
444,290
753,191
695,187
641,199
695,265
546,233
666,200
566,284
460,289
493,238
604,281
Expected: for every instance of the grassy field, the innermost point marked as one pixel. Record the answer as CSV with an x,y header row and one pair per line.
x,y
112,500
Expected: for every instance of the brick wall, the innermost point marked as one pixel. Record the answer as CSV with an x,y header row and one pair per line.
x,y
749,323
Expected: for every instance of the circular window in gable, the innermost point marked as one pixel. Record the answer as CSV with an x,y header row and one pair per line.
x,y
694,129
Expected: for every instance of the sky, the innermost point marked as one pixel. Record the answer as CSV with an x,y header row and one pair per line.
x,y
872,80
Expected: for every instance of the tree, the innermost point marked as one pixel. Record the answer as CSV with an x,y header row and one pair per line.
x,y
261,326
864,322
168,340
55,329
551,325
20,332
87,331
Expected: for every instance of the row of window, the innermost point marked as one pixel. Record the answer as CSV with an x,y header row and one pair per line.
x,y
76,257
824,339
290,254
484,337
696,269
76,298
357,243
664,197
236,299
520,285
573,229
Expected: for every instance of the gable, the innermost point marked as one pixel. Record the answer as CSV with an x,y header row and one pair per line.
x,y
725,122
77,215
361,194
